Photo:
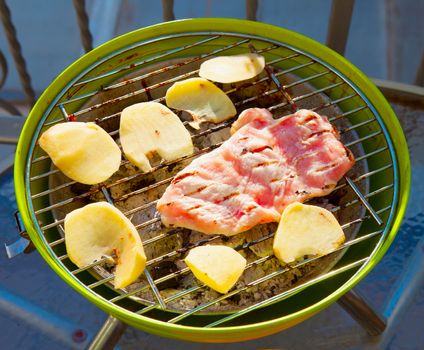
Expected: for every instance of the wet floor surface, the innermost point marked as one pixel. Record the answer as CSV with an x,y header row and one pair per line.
x,y
29,277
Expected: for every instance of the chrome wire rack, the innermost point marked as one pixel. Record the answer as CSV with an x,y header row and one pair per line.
x,y
294,79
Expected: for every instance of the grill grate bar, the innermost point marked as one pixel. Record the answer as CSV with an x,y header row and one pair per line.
x,y
56,242
137,64
306,80
96,263
302,97
39,159
280,59
63,257
353,111
381,189
167,300
371,153
364,176
284,295
356,126
182,250
149,278
365,138
57,188
159,237
48,173
53,224
332,103
144,206
366,217
157,281
364,201
100,282
147,223
64,202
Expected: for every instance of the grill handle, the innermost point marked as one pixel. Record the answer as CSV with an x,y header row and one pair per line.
x,y
23,244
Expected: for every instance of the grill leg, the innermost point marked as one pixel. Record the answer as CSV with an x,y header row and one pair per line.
x,y
363,313
109,335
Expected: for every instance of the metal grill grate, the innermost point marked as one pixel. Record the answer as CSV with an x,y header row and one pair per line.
x,y
104,89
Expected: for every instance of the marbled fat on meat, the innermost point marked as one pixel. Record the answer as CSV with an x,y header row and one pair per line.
x,y
264,166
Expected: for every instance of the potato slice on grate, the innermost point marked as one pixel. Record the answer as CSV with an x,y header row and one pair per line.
x,y
82,151
231,69
149,127
219,267
100,230
202,99
306,230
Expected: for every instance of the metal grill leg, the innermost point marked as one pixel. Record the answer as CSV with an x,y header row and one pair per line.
x,y
363,313
109,335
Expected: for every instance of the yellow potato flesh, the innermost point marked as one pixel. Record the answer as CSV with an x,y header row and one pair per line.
x,y
231,69
152,127
219,267
202,99
82,151
100,230
306,230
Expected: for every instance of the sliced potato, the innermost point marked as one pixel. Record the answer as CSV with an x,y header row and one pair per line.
x,y
82,151
100,230
202,99
230,69
218,266
306,230
152,127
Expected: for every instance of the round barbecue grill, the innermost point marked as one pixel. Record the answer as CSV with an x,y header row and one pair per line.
x,y
140,66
